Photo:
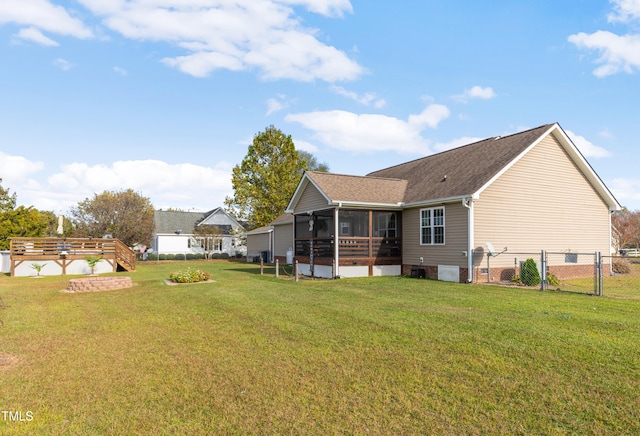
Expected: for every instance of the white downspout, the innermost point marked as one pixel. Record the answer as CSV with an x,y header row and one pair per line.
x,y
468,203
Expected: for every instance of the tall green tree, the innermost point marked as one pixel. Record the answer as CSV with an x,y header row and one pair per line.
x,y
267,178
7,200
311,162
125,215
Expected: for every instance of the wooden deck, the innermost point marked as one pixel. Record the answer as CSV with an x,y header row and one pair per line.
x,y
65,254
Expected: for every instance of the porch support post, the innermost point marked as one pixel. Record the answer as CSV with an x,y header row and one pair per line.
x,y
370,242
336,242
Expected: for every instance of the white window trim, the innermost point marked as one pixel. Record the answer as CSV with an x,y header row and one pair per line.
x,y
444,226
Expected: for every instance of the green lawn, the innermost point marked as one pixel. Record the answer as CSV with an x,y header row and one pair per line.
x,y
251,354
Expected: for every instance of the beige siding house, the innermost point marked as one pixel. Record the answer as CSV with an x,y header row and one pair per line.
x,y
283,238
438,215
260,244
272,242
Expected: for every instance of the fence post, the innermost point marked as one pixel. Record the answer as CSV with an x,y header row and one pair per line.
x,y
277,267
295,269
543,273
599,291
261,266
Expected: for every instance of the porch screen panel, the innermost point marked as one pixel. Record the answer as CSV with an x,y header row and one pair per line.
x,y
385,225
354,223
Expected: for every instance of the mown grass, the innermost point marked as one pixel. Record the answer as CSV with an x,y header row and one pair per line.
x,y
251,354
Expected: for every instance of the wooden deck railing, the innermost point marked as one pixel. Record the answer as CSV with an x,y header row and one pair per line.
x,y
113,250
351,247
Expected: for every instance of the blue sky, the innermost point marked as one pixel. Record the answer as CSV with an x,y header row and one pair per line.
x,y
165,96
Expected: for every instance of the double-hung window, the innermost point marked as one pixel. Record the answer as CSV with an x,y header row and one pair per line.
x,y
432,226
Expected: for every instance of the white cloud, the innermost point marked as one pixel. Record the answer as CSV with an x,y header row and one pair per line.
x,y
329,8
275,105
625,190
476,91
624,11
262,35
617,53
120,70
587,148
63,64
367,99
181,185
305,146
17,169
34,35
43,15
371,132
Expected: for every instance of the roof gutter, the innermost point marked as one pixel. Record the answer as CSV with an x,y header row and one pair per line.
x,y
364,204
444,200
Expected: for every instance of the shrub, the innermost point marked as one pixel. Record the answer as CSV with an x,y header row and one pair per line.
x,y
190,276
516,280
553,280
621,266
529,273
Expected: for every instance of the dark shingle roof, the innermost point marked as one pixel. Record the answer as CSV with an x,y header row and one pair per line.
x,y
466,168
285,218
166,221
359,189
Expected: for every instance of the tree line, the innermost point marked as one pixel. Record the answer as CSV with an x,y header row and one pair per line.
x,y
262,183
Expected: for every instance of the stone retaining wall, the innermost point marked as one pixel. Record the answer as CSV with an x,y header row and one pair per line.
x,y
91,284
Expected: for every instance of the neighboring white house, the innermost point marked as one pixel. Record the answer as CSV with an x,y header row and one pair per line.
x,y
177,232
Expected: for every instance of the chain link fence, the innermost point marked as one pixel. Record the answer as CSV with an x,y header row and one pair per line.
x,y
575,272
587,273
623,280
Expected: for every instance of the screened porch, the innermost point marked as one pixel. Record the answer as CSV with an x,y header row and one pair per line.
x,y
368,242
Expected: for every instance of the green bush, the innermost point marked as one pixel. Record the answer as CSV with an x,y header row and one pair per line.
x,y
190,276
553,280
529,273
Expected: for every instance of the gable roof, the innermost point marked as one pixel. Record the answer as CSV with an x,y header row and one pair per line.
x,y
451,175
462,171
354,191
220,218
169,221
260,231
285,218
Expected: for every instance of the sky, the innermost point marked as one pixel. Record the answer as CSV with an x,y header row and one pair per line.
x,y
165,96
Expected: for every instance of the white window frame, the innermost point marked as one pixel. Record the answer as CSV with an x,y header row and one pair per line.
x,y
432,226
217,244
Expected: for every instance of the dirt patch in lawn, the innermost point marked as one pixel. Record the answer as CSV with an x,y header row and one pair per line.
x,y
7,361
